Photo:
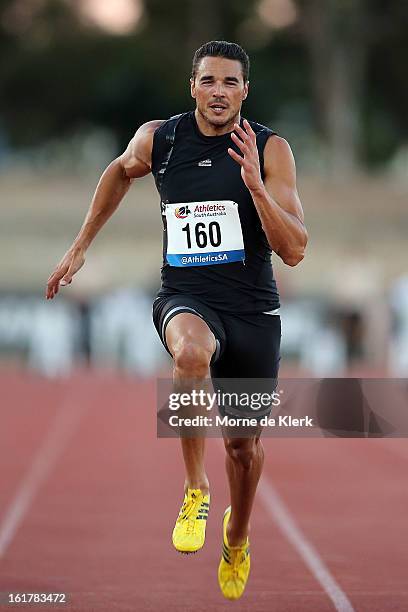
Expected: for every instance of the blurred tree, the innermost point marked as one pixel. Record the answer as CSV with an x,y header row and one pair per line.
x,y
333,30
343,37
49,69
384,118
61,75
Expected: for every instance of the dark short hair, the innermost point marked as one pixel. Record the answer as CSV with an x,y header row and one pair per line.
x,y
221,48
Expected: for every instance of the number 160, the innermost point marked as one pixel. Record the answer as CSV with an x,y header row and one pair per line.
x,y
201,238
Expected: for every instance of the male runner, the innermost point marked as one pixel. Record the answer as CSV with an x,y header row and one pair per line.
x,y
217,309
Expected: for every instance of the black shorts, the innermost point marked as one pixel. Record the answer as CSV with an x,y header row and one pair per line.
x,y
247,345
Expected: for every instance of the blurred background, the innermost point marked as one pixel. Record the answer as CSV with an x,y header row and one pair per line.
x,y
77,78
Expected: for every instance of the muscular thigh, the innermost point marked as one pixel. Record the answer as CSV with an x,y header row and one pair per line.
x,y
183,318
189,328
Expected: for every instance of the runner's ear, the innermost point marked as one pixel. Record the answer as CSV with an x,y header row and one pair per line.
x,y
246,90
192,87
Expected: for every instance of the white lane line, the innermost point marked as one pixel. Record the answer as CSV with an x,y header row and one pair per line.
x,y
387,444
282,517
65,422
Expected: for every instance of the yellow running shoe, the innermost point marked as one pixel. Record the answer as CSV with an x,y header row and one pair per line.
x,y
189,530
235,563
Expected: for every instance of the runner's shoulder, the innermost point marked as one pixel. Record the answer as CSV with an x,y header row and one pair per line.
x,y
259,127
136,160
144,134
278,153
267,136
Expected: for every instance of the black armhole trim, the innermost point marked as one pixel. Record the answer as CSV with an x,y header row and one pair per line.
x,y
261,138
262,135
169,131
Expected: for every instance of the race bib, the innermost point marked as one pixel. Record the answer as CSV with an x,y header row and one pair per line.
x,y
203,233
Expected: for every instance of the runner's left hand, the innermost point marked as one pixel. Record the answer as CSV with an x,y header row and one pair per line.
x,y
249,161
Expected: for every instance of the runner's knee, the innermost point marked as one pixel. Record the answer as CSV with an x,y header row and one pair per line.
x,y
192,359
242,451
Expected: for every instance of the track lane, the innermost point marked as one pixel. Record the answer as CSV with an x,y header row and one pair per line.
x,y
101,527
350,500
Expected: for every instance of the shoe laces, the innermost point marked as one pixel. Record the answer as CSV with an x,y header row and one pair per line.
x,y
238,556
189,511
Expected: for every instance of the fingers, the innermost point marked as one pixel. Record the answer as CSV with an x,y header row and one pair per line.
x,y
52,288
248,135
54,281
234,155
64,272
245,140
76,264
67,277
54,285
241,145
67,280
249,130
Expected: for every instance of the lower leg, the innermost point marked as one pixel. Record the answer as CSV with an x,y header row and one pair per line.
x,y
244,462
191,370
193,454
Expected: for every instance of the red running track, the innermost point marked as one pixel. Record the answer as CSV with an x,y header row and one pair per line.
x,y
89,496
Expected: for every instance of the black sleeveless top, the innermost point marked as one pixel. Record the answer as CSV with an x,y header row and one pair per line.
x,y
192,167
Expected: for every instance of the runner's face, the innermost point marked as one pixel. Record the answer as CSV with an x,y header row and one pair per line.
x,y
219,90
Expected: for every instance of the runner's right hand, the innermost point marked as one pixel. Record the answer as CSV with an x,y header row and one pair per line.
x,y
72,261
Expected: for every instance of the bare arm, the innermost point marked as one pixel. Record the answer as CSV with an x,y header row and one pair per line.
x,y
276,199
114,183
